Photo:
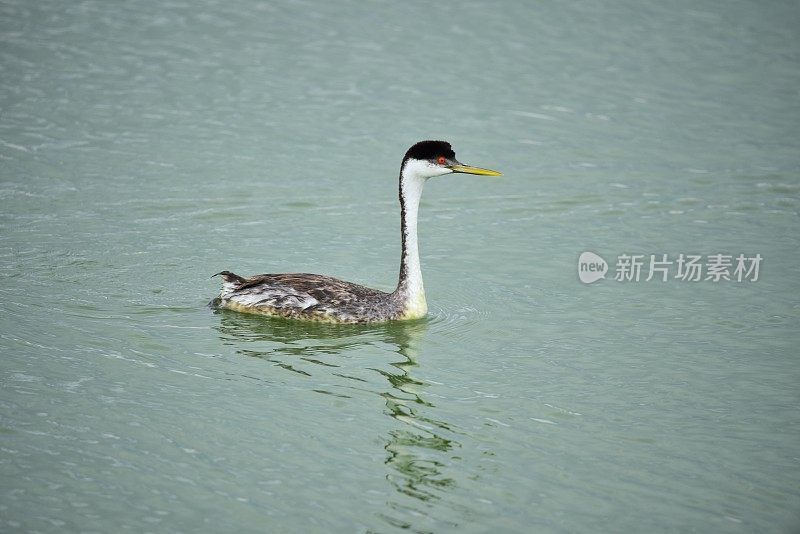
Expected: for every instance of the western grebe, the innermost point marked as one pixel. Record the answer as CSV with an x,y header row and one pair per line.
x,y
323,298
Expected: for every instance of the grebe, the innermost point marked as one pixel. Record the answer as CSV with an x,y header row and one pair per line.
x,y
323,298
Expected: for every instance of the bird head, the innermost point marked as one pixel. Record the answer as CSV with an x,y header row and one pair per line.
x,y
427,159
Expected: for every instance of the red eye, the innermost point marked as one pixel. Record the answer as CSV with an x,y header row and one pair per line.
x,y
442,160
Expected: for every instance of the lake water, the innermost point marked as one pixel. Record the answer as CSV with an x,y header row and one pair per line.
x,y
145,146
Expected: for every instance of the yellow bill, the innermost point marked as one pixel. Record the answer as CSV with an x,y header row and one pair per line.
x,y
474,170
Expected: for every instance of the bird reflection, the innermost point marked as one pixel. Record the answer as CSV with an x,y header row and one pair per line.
x,y
418,448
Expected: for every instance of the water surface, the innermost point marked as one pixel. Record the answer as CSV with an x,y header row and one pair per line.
x,y
145,146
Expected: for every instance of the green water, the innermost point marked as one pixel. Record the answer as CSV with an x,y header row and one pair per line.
x,y
146,145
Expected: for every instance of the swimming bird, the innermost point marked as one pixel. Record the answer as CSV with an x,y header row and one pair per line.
x,y
324,298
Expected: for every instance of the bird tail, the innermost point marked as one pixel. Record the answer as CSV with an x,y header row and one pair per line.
x,y
230,283
230,277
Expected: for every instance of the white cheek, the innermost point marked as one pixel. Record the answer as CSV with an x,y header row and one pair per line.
x,y
423,169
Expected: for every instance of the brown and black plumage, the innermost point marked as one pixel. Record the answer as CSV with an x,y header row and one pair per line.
x,y
312,297
323,298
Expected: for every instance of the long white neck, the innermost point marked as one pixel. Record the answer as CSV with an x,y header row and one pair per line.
x,y
409,286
